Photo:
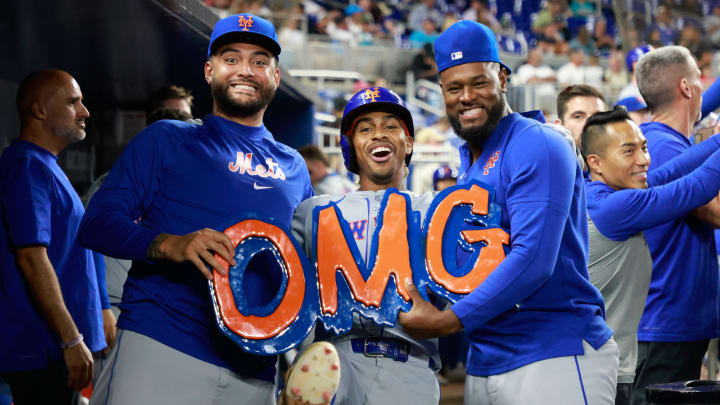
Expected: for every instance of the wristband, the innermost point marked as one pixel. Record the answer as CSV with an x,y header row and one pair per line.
x,y
74,342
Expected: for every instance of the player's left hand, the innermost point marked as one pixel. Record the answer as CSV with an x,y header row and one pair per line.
x,y
424,321
110,328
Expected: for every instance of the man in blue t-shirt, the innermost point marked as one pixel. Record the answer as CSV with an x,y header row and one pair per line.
x,y
50,305
535,324
681,312
164,205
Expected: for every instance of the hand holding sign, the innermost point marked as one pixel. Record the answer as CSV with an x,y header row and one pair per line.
x,y
196,247
424,320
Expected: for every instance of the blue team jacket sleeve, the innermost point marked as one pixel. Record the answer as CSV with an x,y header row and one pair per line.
x,y
102,286
541,172
110,223
27,204
711,99
685,163
618,215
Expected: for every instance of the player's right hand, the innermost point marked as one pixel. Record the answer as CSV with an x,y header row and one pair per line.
x,y
199,248
79,362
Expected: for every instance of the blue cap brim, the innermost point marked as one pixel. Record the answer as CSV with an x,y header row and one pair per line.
x,y
245,37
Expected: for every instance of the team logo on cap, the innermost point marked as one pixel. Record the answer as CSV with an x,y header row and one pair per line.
x,y
456,55
371,94
245,23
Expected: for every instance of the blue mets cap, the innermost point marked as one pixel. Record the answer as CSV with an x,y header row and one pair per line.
x,y
634,103
466,42
244,28
442,173
635,54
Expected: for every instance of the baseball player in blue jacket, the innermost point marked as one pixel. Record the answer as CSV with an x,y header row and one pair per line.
x,y
624,199
535,324
379,365
164,205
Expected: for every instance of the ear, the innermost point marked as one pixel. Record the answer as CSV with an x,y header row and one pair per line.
x,y
208,71
277,75
558,122
502,75
38,110
409,143
594,164
685,89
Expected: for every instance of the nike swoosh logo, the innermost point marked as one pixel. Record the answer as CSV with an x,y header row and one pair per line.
x,y
256,187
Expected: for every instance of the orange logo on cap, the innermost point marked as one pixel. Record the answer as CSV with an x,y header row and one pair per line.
x,y
371,94
245,23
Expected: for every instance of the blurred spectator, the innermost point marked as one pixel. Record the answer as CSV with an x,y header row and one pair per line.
x,y
444,177
427,36
582,8
451,17
603,40
692,7
692,39
354,16
663,30
573,72
550,40
472,11
534,71
712,25
368,30
594,72
615,75
290,35
169,98
636,108
421,12
631,90
553,13
583,41
324,180
339,30
480,11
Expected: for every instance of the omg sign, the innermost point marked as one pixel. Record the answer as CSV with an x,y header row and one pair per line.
x,y
451,252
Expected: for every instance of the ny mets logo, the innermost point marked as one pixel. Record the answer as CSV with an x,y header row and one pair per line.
x,y
490,163
245,23
371,94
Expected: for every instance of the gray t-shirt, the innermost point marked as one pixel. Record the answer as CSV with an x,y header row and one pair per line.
x,y
621,271
360,208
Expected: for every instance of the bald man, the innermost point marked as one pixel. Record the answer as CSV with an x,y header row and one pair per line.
x,y
50,305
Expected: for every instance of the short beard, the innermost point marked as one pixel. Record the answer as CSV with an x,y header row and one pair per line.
x,y
476,136
235,109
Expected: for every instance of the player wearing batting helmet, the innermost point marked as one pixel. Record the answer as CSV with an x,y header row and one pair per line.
x,y
535,324
186,182
379,365
632,58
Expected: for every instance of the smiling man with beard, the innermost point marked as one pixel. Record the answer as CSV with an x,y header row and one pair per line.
x,y
186,183
535,324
